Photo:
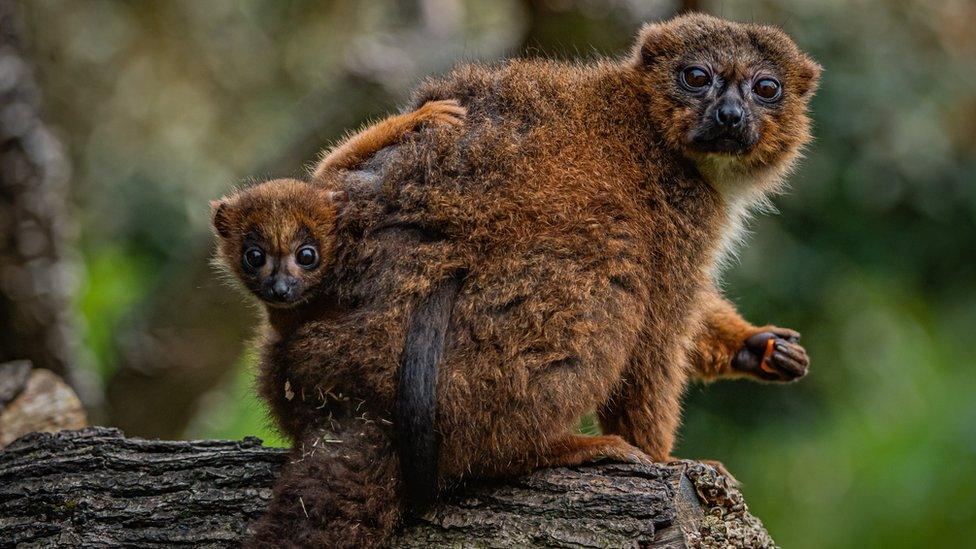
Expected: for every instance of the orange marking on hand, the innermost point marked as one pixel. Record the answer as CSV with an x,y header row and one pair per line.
x,y
764,366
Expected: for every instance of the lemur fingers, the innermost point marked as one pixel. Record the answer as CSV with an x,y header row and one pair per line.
x,y
773,355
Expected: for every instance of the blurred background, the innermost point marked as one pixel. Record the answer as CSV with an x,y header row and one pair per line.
x,y
121,120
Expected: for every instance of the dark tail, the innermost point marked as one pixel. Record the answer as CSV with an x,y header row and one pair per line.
x,y
416,439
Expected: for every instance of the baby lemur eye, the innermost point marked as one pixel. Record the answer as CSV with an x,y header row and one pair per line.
x,y
307,257
767,89
695,78
254,257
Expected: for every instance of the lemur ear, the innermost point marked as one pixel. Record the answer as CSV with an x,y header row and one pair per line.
x,y
808,76
649,42
220,217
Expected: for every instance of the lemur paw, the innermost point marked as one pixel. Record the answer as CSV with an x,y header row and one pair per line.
x,y
773,355
447,112
621,451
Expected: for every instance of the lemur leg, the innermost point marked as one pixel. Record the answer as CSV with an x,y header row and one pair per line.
x,y
536,342
387,132
728,346
645,410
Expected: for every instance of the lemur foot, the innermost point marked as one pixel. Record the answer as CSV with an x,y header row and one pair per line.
x,y
623,452
773,354
580,449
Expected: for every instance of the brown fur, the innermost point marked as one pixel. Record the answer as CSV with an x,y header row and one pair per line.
x,y
336,490
587,231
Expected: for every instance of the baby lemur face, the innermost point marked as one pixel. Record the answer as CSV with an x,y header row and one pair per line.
x,y
277,238
724,89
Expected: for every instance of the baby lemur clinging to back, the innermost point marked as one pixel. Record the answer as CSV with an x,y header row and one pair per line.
x,y
563,243
277,238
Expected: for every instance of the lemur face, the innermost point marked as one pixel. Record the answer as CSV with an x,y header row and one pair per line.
x,y
279,264
726,107
277,238
723,89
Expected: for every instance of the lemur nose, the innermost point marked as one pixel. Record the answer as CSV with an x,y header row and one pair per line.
x,y
729,114
281,289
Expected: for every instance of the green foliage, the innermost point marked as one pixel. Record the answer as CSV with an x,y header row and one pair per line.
x,y
235,411
874,443
115,279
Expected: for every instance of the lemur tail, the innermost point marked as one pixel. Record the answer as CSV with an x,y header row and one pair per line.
x,y
342,490
416,438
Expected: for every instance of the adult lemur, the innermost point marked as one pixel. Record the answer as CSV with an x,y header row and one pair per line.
x,y
552,256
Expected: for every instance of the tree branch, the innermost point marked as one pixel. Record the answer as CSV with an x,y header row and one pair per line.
x,y
95,487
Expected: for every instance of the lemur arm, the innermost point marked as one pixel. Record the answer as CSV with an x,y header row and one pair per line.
x,y
386,132
728,346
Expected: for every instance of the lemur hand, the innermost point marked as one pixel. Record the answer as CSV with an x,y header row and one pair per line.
x,y
773,354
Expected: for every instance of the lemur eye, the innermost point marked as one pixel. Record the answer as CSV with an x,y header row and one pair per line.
x,y
695,78
307,257
254,257
767,89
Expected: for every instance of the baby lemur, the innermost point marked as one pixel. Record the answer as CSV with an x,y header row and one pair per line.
x,y
277,238
555,255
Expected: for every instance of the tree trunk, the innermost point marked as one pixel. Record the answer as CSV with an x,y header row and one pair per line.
x,y
94,487
35,276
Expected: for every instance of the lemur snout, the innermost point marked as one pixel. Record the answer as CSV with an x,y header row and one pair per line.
x,y
730,113
281,288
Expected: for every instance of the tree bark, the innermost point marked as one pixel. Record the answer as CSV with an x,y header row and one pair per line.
x,y
94,487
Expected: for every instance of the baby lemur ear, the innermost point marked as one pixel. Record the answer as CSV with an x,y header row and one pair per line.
x,y
220,217
808,76
650,42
